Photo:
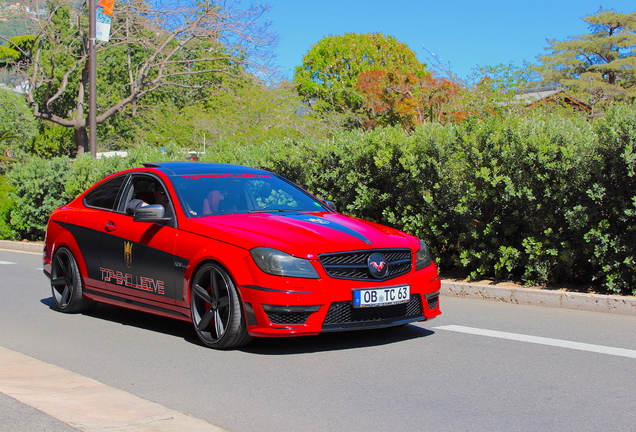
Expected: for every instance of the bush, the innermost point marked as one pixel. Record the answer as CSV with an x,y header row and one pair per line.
x,y
53,140
522,175
38,190
610,207
6,205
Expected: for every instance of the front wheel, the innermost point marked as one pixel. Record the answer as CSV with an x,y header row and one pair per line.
x,y
66,283
216,308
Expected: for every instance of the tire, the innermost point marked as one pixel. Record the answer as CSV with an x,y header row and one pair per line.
x,y
216,309
66,283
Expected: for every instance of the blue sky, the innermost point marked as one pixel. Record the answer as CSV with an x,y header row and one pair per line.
x,y
464,34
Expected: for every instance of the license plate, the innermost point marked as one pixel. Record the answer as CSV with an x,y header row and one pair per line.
x,y
381,296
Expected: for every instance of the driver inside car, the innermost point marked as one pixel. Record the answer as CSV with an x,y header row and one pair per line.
x,y
157,196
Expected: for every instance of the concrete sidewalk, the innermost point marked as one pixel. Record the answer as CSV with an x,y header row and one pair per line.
x,y
86,404
505,294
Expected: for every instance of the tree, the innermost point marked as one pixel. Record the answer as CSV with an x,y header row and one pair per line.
x,y
264,112
394,98
601,63
390,98
157,53
14,53
328,77
507,78
436,96
17,125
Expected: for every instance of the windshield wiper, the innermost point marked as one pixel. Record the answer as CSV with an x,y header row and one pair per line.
x,y
273,210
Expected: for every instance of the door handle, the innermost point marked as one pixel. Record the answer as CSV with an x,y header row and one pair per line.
x,y
110,226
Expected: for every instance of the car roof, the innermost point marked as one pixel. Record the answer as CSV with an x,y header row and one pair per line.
x,y
193,168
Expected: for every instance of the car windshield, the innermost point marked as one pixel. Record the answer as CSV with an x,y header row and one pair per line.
x,y
217,194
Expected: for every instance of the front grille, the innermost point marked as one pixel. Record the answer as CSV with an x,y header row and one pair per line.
x,y
288,318
342,315
354,265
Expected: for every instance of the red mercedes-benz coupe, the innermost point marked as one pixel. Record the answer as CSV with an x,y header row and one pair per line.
x,y
237,251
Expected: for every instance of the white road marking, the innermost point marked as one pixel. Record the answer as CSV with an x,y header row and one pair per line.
x,y
621,352
6,262
86,404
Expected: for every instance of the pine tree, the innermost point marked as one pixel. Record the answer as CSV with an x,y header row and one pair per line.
x,y
601,64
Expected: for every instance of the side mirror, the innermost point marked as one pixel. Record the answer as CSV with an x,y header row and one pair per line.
x,y
150,213
331,205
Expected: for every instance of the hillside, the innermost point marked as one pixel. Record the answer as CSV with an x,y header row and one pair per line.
x,y
17,18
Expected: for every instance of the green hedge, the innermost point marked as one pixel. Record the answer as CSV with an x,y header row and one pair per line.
x,y
6,206
543,198
536,197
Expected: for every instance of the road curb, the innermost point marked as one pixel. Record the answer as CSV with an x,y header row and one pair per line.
x,y
21,246
541,297
524,296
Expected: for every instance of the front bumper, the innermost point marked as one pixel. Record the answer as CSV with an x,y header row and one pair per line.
x,y
298,307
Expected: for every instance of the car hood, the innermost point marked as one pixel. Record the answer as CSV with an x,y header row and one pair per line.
x,y
301,234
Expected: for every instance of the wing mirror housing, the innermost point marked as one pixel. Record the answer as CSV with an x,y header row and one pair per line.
x,y
150,213
331,205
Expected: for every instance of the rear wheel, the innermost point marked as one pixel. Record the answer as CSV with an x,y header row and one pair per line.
x,y
66,283
216,308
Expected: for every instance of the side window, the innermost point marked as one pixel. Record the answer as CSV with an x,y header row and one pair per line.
x,y
149,190
144,188
105,195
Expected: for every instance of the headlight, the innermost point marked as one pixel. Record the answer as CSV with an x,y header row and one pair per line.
x,y
423,257
278,263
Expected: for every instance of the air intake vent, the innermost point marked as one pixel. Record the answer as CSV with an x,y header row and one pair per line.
x,y
342,315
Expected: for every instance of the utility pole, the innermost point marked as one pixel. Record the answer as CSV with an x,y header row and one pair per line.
x,y
92,78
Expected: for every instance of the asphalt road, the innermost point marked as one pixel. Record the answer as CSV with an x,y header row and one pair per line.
x,y
481,366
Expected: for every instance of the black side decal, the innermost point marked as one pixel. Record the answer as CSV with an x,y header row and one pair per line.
x,y
87,240
118,261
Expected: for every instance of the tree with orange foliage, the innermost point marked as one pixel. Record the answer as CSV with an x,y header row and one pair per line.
x,y
398,98
328,77
390,98
436,94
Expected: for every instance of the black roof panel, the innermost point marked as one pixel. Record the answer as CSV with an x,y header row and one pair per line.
x,y
190,168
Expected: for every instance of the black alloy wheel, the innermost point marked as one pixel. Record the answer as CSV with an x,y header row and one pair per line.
x,y
66,283
216,308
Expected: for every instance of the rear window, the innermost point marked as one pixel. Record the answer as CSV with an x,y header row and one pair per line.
x,y
105,195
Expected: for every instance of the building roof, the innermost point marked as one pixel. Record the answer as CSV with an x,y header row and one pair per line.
x,y
531,97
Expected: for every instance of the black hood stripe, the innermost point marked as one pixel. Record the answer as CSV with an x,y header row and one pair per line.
x,y
316,220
